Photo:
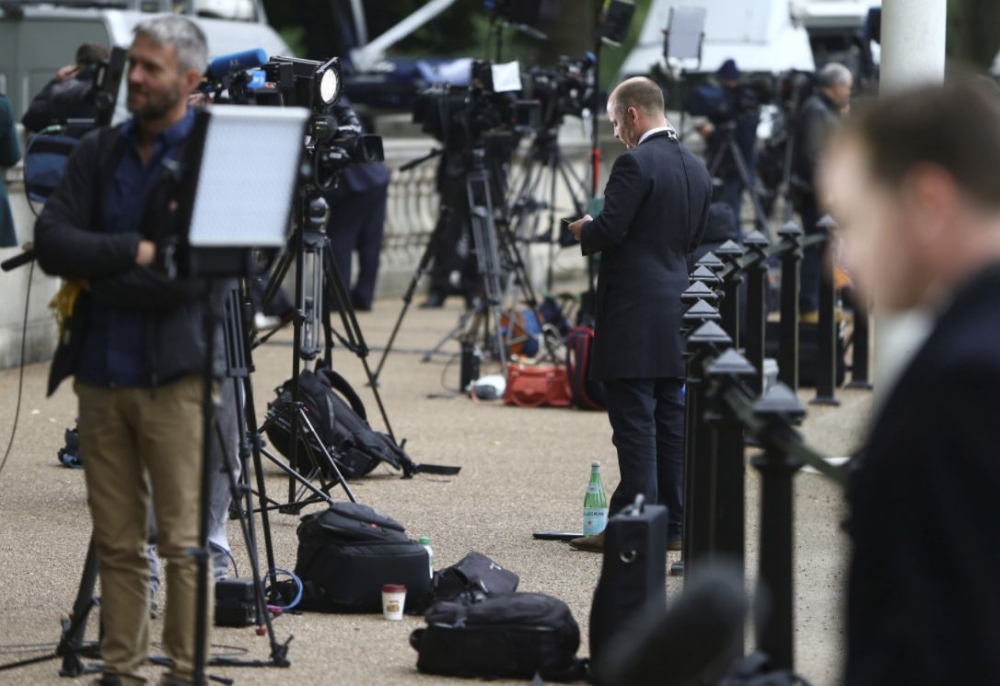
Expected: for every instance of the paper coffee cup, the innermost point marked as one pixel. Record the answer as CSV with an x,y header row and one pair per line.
x,y
393,600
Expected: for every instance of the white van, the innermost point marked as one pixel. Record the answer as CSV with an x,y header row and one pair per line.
x,y
759,34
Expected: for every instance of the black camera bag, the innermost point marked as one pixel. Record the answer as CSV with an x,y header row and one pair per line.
x,y
337,414
348,552
515,636
473,573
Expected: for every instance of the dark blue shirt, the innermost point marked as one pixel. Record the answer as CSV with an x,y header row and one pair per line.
x,y
113,347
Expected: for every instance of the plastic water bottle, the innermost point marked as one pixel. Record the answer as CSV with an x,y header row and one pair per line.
x,y
595,503
425,541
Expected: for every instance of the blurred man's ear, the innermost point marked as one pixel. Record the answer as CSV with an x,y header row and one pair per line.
x,y
933,202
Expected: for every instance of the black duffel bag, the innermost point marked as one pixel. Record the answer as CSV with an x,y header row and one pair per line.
x,y
348,552
515,636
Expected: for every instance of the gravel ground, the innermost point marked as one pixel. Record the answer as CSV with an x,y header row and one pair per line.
x,y
521,471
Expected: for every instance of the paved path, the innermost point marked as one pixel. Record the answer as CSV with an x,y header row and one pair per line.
x,y
521,471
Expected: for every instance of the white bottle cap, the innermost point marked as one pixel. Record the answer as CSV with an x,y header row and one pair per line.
x,y
595,463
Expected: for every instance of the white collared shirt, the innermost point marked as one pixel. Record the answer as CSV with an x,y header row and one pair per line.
x,y
658,129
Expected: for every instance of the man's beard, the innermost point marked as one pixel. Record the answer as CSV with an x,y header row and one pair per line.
x,y
156,105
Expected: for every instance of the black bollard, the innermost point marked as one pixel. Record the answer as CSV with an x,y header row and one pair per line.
x,y
791,261
754,338
826,363
780,408
859,346
710,260
729,507
694,317
730,252
706,276
705,342
699,290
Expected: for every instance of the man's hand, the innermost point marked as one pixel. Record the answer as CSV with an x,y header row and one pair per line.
x,y
146,254
66,73
706,130
576,228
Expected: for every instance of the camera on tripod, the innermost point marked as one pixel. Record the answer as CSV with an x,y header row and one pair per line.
x,y
562,91
334,138
459,116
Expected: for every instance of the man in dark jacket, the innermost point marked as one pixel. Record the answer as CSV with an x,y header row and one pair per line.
x,y
915,186
656,208
136,349
819,119
70,94
734,116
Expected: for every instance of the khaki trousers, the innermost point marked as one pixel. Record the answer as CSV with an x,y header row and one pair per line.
x,y
135,443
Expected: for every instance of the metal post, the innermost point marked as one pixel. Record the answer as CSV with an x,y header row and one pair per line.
x,y
731,252
729,506
699,521
776,635
826,363
791,261
754,341
860,341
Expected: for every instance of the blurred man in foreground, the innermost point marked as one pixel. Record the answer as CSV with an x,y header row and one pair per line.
x,y
915,184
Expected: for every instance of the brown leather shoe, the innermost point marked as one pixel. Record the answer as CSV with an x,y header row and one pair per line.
x,y
590,544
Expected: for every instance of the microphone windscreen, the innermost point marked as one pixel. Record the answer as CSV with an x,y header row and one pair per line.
x,y
680,646
237,61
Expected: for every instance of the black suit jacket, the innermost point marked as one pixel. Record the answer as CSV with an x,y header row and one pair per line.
x,y
655,211
924,600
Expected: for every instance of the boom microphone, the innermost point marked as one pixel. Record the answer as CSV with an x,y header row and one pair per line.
x,y
225,65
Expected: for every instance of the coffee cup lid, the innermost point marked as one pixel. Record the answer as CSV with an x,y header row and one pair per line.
x,y
394,588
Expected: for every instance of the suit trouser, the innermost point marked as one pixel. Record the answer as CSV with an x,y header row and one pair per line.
x,y
141,442
647,417
357,222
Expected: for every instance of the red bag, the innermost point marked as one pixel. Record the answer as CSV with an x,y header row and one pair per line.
x,y
537,385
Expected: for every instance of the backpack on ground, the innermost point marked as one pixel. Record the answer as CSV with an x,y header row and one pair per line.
x,y
513,636
338,416
348,552
587,394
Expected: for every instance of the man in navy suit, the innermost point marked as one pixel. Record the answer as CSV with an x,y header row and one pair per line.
x,y
655,211
915,185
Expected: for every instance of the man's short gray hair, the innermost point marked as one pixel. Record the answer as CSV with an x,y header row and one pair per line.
x,y
834,74
183,34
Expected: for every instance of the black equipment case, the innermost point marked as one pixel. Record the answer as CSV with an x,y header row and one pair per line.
x,y
633,573
348,552
513,636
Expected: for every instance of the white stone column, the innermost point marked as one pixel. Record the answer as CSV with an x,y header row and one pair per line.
x,y
913,53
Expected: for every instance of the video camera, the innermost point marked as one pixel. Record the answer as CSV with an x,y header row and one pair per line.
x,y
460,116
334,134
562,91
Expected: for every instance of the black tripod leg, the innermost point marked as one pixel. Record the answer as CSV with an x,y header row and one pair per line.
x,y
418,275
279,652
356,338
750,187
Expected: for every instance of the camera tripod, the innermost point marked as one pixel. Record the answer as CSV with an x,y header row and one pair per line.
x,y
545,162
318,283
729,148
498,260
